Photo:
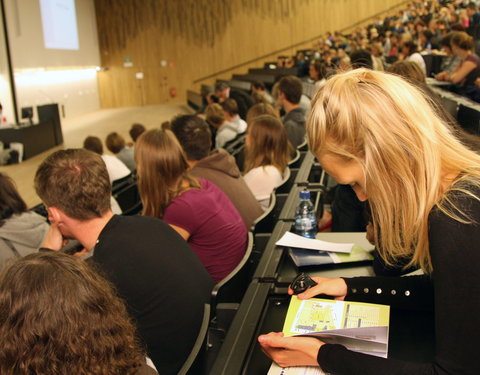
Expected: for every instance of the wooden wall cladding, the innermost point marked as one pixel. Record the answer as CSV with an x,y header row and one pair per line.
x,y
175,43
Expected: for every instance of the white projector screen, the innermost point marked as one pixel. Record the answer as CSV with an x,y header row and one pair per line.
x,y
52,33
59,23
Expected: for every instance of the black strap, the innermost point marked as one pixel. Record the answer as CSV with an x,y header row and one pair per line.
x,y
10,245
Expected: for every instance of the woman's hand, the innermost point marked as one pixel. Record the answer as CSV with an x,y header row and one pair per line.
x,y
331,287
442,76
290,351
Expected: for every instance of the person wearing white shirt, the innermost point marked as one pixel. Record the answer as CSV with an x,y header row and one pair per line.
x,y
268,152
116,169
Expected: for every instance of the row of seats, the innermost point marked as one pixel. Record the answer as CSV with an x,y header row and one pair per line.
x,y
227,295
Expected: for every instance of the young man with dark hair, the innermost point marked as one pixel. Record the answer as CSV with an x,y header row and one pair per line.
x,y
136,131
289,95
244,101
117,146
361,59
230,108
259,88
217,166
153,269
115,167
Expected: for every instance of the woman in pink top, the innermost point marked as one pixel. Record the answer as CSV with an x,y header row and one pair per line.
x,y
197,209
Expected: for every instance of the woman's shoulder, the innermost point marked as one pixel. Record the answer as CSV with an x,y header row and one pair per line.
x,y
460,203
473,58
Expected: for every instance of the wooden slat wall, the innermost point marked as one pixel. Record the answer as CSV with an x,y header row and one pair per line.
x,y
201,37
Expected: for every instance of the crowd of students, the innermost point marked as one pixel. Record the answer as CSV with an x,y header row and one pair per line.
x,y
384,138
450,29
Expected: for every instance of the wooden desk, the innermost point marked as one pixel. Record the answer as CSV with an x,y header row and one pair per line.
x,y
35,138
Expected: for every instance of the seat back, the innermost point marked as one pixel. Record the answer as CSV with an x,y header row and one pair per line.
x,y
239,156
266,222
232,288
128,198
303,146
469,119
295,161
450,105
195,363
119,184
286,184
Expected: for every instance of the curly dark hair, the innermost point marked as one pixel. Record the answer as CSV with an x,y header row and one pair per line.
x,y
58,316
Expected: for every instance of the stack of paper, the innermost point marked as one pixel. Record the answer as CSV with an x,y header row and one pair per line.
x,y
329,248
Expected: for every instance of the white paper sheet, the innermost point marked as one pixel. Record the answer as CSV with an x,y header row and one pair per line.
x,y
294,240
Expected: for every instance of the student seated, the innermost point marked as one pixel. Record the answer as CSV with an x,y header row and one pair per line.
x,y
268,152
225,131
468,71
116,145
60,317
197,209
21,231
217,166
154,271
380,135
136,131
115,167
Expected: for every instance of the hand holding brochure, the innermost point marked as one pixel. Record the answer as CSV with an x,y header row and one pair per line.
x,y
361,327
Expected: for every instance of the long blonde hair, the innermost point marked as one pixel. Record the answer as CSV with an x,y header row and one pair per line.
x,y
162,169
268,144
405,150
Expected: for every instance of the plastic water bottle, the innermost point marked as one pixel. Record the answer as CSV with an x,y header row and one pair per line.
x,y
305,218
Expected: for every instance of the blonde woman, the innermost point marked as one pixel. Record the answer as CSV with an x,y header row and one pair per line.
x,y
268,152
379,134
196,208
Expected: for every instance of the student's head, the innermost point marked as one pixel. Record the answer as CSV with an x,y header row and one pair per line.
x,y
258,86
317,70
58,316
267,144
461,41
136,131
222,91
258,110
426,35
93,144
194,135
75,181
162,170
230,107
11,202
290,89
471,8
115,142
409,70
361,59
408,48
378,133
446,42
259,98
215,115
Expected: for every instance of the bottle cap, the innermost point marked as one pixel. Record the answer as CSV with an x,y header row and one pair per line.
x,y
305,194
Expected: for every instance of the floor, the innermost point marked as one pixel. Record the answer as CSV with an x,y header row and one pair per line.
x,y
98,123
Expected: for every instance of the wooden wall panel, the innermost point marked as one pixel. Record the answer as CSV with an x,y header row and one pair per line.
x,y
201,38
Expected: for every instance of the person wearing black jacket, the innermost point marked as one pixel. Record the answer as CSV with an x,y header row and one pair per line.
x,y
380,135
